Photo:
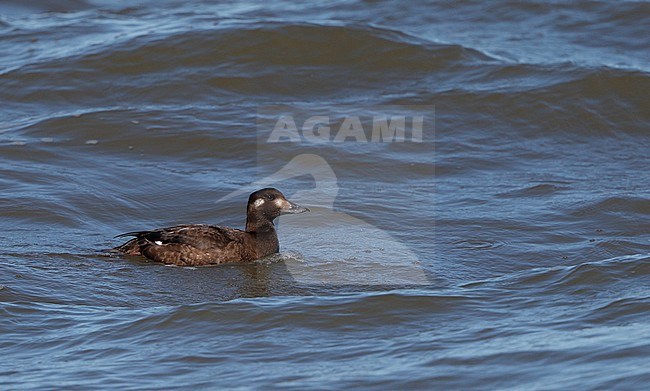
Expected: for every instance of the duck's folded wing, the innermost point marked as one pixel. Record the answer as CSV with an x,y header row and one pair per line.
x,y
202,237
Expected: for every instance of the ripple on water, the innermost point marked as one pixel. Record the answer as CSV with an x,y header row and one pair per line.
x,y
478,244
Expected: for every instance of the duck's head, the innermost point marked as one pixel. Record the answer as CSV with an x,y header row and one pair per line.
x,y
269,203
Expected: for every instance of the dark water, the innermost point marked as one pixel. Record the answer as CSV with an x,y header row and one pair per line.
x,y
509,248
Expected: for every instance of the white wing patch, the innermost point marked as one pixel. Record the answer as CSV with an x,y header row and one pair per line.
x,y
158,242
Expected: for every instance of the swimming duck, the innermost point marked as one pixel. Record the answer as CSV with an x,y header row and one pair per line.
x,y
200,244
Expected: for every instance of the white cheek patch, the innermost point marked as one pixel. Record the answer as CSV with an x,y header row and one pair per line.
x,y
158,242
279,203
258,202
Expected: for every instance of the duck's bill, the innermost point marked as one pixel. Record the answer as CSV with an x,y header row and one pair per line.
x,y
291,208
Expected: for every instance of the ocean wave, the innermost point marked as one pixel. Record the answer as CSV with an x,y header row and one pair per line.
x,y
30,7
368,48
343,312
567,103
624,310
351,312
617,204
584,278
244,59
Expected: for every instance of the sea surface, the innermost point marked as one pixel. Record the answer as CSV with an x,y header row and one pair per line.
x,y
503,243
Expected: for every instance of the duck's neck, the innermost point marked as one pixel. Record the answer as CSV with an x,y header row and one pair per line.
x,y
257,224
263,236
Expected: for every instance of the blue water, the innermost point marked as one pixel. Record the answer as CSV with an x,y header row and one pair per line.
x,y
508,247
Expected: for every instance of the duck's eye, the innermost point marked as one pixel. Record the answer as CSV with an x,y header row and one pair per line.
x,y
270,197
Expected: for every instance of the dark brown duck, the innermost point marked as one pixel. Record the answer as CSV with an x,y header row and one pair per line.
x,y
200,244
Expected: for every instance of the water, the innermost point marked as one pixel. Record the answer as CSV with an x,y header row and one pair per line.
x,y
509,248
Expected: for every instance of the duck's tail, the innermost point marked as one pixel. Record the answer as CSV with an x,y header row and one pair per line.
x,y
132,247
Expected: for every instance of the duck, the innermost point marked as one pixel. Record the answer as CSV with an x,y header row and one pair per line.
x,y
203,244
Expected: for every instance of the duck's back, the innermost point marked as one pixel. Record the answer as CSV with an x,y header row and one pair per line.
x,y
192,245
